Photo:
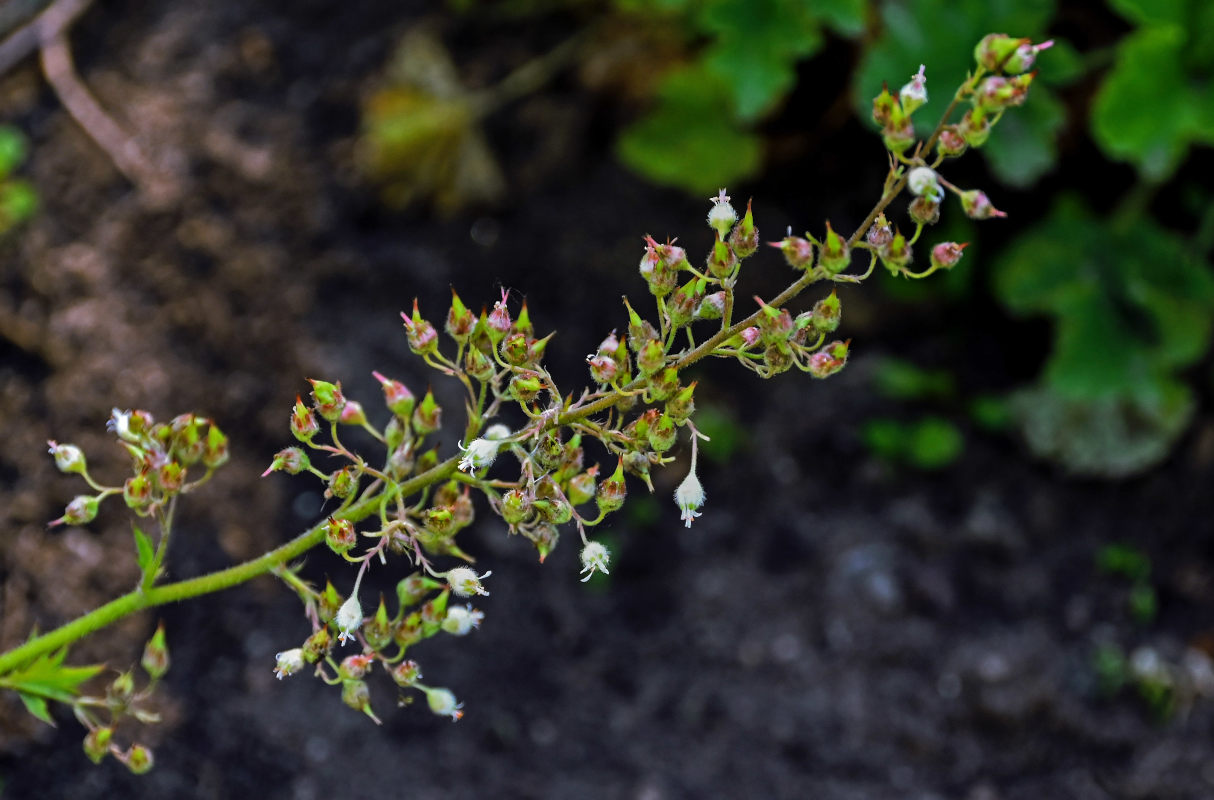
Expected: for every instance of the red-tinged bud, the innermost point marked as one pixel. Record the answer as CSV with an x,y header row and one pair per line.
x,y
838,350
155,661
827,313
581,488
712,306
215,452
914,94
775,324
303,422
880,233
663,384
663,433
460,321
340,535
995,49
188,444
499,323
1025,56
138,759
951,142
975,127
722,260
409,631
97,743
516,507
721,216
637,463
317,646
750,336
924,210
681,308
651,358
352,414
438,520
328,399
798,252
834,256
406,673
342,483
82,510
639,330
897,254
68,457
610,494
638,429
898,138
355,667
602,369
137,491
744,239
479,365
330,602
171,477
883,106
609,345
428,415
525,386
682,405
514,349
777,358
822,365
422,337
650,261
978,206
946,254
412,590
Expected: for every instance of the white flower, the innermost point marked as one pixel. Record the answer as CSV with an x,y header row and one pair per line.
x,y
497,432
722,215
288,662
595,557
120,423
914,94
461,620
349,619
480,453
465,582
689,497
922,182
442,702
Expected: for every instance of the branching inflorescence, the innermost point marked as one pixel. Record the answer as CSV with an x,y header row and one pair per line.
x,y
408,504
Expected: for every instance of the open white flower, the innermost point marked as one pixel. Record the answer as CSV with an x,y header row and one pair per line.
x,y
288,662
349,619
595,558
442,702
460,620
465,582
689,497
478,454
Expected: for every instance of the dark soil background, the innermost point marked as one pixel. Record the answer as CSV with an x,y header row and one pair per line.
x,y
832,627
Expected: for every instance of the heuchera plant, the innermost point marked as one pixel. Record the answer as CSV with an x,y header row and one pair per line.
x,y
403,508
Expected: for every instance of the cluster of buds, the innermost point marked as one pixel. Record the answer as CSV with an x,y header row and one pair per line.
x,y
893,113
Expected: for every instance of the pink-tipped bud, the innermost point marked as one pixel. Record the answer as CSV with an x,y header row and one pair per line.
x,y
1025,56
978,206
750,336
68,457
914,94
499,323
880,233
603,368
798,252
328,399
397,397
303,422
82,510
951,143
946,254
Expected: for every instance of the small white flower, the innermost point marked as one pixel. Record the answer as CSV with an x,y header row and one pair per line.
x,y
922,182
497,432
442,702
722,215
465,582
480,453
914,94
461,620
288,662
689,497
595,557
120,423
349,619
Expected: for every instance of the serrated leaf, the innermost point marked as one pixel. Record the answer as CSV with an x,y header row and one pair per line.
x,y
46,677
37,706
144,552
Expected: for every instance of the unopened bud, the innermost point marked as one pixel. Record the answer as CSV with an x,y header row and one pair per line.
x,y
155,661
82,510
138,759
744,239
328,399
880,233
978,206
340,535
798,252
834,257
460,321
951,142
428,415
611,492
827,314
946,254
68,457
97,743
303,422
422,337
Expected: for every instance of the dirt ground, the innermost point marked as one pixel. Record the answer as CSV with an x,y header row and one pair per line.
x,y
832,627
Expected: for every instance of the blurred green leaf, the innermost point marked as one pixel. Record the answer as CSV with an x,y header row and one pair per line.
x,y
899,379
45,678
12,150
1149,109
1022,148
726,435
934,443
1151,11
1124,560
844,16
144,552
687,140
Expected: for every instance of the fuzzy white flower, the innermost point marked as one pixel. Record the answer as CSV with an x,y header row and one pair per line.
x,y
442,702
288,662
478,454
461,620
497,432
595,558
465,582
120,423
914,94
722,215
689,497
349,619
922,181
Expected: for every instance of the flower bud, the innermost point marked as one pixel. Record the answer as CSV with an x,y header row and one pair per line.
x,y
460,321
442,702
1025,56
681,308
880,233
897,254
97,743
721,260
682,405
777,358
288,662
342,483
137,491
744,239
545,538
428,415
951,142
317,646
689,497
138,759
82,510
581,487
651,357
978,206
291,460
215,452
827,313
68,457
328,399
914,94
349,619
923,182
712,306
883,106
413,589
975,127
602,368
356,695
499,323
461,620
995,49
798,252
303,423
155,661
355,667
340,535
775,324
834,256
750,336
422,337
595,558
525,386
516,507
663,384
946,254
663,433
721,216
514,349
924,210
898,137
406,673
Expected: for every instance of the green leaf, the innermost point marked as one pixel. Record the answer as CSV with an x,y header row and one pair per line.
x,y
45,677
1142,12
144,552
1022,148
934,443
688,141
37,706
845,17
898,379
12,149
1149,109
